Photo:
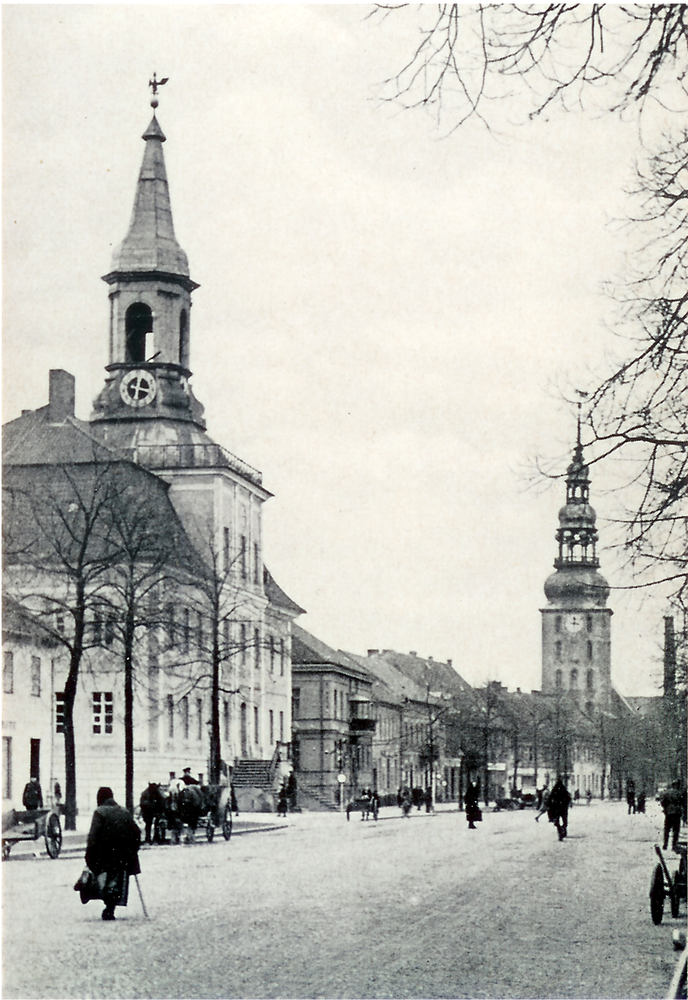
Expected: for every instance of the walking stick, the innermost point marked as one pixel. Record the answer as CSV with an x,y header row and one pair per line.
x,y
145,911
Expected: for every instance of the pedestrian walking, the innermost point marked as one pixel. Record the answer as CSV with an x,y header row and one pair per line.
x,y
282,801
544,803
33,796
428,799
233,804
630,796
406,803
672,803
473,813
112,850
558,807
588,796
640,804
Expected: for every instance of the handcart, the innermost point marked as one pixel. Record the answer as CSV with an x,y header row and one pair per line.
x,y
665,884
31,824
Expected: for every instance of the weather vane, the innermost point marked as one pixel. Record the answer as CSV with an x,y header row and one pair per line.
x,y
154,84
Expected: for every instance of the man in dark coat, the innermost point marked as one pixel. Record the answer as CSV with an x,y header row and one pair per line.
x,y
186,777
33,796
672,804
558,807
112,850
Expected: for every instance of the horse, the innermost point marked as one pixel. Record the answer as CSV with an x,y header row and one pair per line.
x,y
185,809
153,809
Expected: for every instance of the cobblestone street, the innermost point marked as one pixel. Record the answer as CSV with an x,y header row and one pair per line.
x,y
400,908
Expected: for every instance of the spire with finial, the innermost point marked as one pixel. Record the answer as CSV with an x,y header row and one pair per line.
x,y
150,245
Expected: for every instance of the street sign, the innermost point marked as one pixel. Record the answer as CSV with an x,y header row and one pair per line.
x,y
341,778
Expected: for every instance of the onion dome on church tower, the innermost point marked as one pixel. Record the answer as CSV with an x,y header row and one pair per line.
x,y
577,581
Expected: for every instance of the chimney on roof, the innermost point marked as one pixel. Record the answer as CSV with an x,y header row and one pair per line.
x,y
373,652
449,663
61,396
430,659
413,653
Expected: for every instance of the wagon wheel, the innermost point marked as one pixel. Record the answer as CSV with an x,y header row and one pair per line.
x,y
53,835
210,827
657,895
227,823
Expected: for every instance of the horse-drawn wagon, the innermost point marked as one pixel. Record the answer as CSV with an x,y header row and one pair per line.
x,y
31,824
207,806
367,803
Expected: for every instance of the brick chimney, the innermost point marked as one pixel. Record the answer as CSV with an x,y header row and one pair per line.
x,y
61,396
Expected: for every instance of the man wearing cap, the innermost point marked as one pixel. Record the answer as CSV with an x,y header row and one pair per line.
x,y
186,777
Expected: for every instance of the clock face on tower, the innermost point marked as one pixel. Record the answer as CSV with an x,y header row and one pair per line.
x,y
573,623
138,388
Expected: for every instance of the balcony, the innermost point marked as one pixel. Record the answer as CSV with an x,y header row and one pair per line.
x,y
193,456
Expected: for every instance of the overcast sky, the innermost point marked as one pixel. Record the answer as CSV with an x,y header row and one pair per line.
x,y
385,314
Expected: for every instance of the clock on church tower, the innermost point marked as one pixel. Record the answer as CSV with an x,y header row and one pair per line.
x,y
576,623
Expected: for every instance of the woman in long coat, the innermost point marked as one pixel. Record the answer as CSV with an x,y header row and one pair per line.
x,y
472,807
112,850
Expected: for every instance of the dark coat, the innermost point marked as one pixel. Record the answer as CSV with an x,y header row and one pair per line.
x,y
559,801
33,796
113,841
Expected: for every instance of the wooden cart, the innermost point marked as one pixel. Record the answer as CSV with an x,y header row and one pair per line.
x,y
663,884
31,824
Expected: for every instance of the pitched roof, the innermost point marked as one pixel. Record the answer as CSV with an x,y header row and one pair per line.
x,y
306,650
19,624
277,596
33,439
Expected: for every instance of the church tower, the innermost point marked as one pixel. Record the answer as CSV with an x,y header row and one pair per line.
x,y
576,624
147,398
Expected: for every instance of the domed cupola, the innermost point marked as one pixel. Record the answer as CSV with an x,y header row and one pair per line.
x,y
577,581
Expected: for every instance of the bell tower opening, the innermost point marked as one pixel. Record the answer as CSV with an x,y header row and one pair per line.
x,y
139,333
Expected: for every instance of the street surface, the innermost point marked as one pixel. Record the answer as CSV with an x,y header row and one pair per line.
x,y
419,907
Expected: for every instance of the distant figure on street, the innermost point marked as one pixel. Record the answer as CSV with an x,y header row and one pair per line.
x,y
33,796
292,791
630,796
112,850
588,796
558,807
233,804
640,804
406,803
427,798
576,796
672,804
473,813
282,800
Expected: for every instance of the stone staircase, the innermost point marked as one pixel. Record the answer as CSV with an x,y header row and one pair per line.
x,y
253,774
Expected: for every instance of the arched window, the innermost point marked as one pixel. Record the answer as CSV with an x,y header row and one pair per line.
x,y
573,680
590,681
557,650
138,325
557,679
183,338
589,652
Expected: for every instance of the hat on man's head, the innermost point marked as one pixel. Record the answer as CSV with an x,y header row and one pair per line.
x,y
187,769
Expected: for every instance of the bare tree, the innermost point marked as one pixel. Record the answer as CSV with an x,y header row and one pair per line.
x,y
465,59
60,548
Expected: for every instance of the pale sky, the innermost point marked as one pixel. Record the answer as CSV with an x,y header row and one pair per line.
x,y
385,313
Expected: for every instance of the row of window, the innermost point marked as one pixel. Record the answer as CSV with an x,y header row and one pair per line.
x,y
103,717
246,572
573,680
558,648
8,674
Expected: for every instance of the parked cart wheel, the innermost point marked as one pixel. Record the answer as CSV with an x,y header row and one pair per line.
x,y
657,895
210,827
227,823
53,835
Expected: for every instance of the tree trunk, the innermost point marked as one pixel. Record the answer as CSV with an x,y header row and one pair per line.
x,y
215,745
69,698
129,707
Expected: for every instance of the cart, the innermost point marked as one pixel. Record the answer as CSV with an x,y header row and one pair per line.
x,y
31,824
665,884
219,811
